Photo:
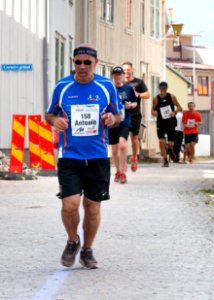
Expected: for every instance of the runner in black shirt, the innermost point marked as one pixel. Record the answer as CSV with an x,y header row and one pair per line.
x,y
163,108
141,92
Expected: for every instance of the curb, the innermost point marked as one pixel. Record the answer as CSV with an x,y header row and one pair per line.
x,y
47,173
16,176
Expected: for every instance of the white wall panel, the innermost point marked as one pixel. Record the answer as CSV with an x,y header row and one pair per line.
x,y
22,30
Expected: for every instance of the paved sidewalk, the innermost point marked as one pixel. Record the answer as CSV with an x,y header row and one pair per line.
x,y
156,239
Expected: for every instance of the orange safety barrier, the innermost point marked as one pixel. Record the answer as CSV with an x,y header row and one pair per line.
x,y
34,147
46,146
17,143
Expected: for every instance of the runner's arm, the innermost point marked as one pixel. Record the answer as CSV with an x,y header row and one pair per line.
x,y
154,105
144,95
59,123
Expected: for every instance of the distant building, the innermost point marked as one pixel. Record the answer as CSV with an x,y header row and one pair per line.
x,y
197,65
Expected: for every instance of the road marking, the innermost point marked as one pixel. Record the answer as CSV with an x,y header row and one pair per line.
x,y
53,284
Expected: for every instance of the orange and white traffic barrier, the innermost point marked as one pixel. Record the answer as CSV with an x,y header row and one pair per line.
x,y
46,146
17,143
34,146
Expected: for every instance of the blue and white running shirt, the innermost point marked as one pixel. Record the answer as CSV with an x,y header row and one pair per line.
x,y
83,106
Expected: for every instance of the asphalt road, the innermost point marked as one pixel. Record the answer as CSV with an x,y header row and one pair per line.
x,y
156,239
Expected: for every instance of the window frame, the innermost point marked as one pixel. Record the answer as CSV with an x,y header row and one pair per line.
x,y
203,87
155,19
59,56
107,11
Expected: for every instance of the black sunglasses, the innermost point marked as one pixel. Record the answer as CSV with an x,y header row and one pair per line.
x,y
86,62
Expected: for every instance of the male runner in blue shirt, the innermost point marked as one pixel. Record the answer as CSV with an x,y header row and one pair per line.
x,y
118,136
82,108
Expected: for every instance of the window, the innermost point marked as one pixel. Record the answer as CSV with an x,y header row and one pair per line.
x,y
33,13
1,4
9,7
105,70
176,46
128,13
59,57
203,86
190,86
71,53
155,19
205,127
155,80
25,13
107,7
143,17
17,10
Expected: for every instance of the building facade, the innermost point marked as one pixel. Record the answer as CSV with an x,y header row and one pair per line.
x,y
36,40
43,34
194,63
126,30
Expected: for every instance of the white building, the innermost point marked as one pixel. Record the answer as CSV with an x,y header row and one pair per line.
x,y
36,41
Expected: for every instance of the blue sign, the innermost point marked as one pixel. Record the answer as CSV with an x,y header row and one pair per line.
x,y
16,67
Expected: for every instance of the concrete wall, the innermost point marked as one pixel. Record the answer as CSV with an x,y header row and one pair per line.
x,y
21,42
203,146
22,33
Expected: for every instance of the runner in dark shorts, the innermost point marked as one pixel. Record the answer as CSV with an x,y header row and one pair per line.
x,y
163,107
189,138
191,120
118,136
116,133
82,108
90,177
142,93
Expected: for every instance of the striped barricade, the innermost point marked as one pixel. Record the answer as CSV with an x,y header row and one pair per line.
x,y
17,143
46,146
34,146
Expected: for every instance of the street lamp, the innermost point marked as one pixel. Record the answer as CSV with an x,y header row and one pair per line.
x,y
177,29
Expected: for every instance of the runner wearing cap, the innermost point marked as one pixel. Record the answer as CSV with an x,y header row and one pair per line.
x,y
118,136
82,108
163,108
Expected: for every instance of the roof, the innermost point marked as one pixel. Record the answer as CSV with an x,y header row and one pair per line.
x,y
178,72
186,64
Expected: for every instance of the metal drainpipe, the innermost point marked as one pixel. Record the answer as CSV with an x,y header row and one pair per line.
x,y
85,21
45,59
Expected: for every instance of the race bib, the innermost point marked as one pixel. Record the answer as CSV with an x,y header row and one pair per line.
x,y
165,112
191,123
122,114
84,120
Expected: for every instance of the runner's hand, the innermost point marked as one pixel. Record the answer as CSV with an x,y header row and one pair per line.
x,y
128,104
109,119
60,124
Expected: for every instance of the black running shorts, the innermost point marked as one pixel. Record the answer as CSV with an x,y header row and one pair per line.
x,y
116,133
135,124
189,138
91,177
169,131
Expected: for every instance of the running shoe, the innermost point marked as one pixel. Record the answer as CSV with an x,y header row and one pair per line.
x,y
123,178
70,252
171,154
165,163
117,177
87,259
134,163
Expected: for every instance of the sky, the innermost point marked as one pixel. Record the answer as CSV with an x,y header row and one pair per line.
x,y
197,17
